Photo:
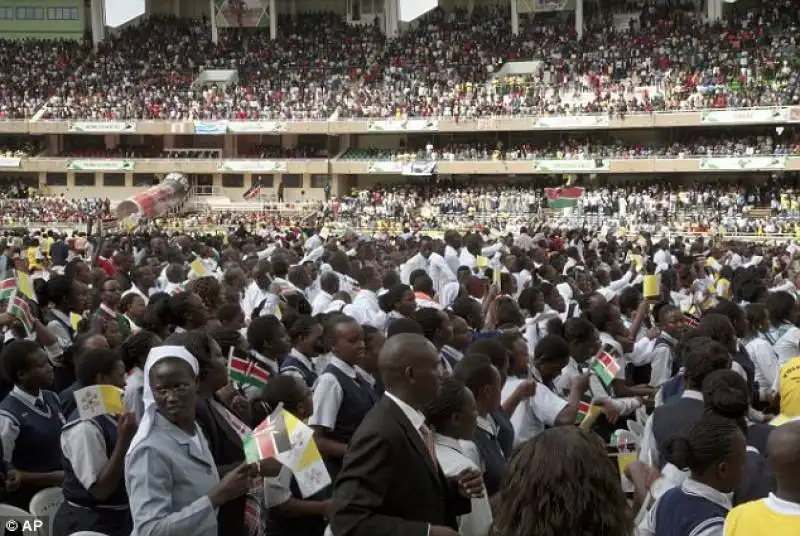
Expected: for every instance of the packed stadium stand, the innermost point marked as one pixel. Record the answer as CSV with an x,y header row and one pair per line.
x,y
324,109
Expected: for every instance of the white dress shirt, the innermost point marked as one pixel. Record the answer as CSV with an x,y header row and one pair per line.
x,y
328,395
697,489
366,310
320,303
766,363
534,414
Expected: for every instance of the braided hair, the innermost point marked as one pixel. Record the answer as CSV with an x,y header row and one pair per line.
x,y
135,348
707,443
450,399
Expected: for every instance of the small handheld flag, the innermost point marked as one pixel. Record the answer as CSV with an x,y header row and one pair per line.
x,y
605,365
99,400
247,372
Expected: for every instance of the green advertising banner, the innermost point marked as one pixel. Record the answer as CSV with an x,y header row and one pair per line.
x,y
101,165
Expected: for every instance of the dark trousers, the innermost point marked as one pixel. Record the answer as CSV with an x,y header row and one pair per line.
x,y
70,519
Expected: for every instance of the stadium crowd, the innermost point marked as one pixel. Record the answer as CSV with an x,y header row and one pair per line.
x,y
472,384
669,59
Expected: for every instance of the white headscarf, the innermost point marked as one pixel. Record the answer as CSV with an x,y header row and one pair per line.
x,y
157,354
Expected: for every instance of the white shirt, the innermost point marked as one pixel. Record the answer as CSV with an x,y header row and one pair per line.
x,y
135,290
366,310
788,345
328,395
534,414
320,303
597,391
453,460
297,354
766,363
253,296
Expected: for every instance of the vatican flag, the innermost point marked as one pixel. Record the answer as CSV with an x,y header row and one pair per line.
x,y
99,400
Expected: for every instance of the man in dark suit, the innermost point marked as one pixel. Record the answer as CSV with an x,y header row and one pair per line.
x,y
390,482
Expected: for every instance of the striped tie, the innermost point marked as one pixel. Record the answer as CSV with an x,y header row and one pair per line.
x,y
427,438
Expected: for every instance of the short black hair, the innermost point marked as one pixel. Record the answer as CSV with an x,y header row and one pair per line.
x,y
404,325
14,358
474,371
494,350
229,312
93,362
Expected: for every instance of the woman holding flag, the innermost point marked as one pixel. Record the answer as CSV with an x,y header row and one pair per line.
x,y
170,473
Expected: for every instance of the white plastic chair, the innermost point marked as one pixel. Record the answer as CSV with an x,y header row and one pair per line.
x,y
46,503
9,513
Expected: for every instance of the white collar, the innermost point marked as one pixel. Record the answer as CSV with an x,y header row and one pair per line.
x,y
344,367
698,489
447,441
694,395
27,397
487,424
300,356
366,376
267,361
416,418
781,506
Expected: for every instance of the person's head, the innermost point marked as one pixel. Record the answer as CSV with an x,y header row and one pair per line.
x,y
305,333
719,328
235,279
212,372
550,356
77,270
670,319
267,336
400,299
111,293
461,333
582,338
290,391
109,328
554,484
482,378
700,356
496,352
517,348
369,278
24,363
425,246
347,339
230,340
329,282
713,449
188,311
209,290
757,317
783,456
373,344
135,348
143,278
409,367
725,393
100,367
782,308
175,273
231,316
470,310
735,314
453,412
132,305
403,325
605,317
424,284
64,294
171,375
435,325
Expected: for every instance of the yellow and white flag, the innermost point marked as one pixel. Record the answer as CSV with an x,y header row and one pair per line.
x,y
304,460
99,400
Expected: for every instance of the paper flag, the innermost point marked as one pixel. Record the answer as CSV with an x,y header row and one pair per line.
x,y
99,400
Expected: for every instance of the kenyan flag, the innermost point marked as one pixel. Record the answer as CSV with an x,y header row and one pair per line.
x,y
563,197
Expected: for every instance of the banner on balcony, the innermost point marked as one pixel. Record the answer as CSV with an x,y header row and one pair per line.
x,y
752,163
750,115
571,121
419,169
211,127
241,13
10,161
571,166
101,165
404,125
102,127
255,166
385,167
256,127
543,6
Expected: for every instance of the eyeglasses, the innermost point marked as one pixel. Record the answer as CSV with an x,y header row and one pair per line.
x,y
177,390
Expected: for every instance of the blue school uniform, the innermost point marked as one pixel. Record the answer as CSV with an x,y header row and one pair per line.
x,y
80,510
685,510
358,399
671,419
37,448
494,460
292,363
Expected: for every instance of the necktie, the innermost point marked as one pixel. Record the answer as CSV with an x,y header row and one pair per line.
x,y
427,438
40,405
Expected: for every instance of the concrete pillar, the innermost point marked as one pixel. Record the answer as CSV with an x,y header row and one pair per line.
x,y
293,9
288,141
273,20
176,8
229,146
169,141
98,17
514,18
470,6
714,9
579,18
391,9
213,19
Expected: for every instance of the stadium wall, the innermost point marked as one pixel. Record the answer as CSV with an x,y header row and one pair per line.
x,y
42,19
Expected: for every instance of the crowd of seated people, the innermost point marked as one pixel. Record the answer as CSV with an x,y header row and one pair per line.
x,y
583,147
36,208
276,151
19,147
443,65
121,151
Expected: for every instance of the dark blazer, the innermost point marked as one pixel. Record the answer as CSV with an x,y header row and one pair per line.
x,y
389,485
228,452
